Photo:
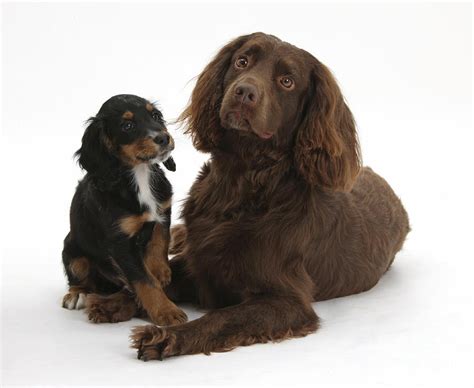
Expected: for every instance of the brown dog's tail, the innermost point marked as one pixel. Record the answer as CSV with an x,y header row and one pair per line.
x,y
178,239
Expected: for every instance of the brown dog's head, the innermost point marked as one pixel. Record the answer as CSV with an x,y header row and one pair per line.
x,y
271,91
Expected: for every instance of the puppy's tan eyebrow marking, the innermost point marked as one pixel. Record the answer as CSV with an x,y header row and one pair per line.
x,y
150,107
127,115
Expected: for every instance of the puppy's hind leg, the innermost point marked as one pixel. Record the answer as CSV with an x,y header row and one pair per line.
x,y
77,268
117,307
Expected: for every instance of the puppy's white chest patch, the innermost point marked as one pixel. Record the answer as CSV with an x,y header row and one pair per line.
x,y
144,192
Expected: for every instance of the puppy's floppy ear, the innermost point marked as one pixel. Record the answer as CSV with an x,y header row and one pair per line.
x,y
202,113
170,164
94,154
327,150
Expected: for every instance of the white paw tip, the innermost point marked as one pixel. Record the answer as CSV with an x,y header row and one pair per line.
x,y
81,301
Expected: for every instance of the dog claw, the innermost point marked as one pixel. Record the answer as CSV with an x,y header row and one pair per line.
x,y
140,350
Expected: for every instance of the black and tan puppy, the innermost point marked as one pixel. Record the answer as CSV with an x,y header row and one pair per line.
x,y
115,255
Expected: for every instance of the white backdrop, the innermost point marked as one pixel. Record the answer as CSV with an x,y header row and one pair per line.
x,y
406,73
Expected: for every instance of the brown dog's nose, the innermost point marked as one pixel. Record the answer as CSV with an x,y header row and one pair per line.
x,y
246,94
162,139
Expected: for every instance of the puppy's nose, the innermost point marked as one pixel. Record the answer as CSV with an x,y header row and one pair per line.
x,y
162,139
246,94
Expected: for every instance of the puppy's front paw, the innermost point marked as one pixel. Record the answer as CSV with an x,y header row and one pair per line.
x,y
163,274
74,299
153,343
168,315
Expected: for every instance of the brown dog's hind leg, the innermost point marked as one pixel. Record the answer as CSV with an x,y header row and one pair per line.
x,y
258,320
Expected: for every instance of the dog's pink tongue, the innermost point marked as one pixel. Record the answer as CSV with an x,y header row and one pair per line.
x,y
266,135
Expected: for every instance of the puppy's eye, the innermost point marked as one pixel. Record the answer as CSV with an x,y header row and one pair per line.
x,y
128,126
287,82
241,62
156,116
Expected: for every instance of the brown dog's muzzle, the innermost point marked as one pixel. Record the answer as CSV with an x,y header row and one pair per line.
x,y
246,94
243,108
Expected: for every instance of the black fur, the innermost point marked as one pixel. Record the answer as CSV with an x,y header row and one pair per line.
x,y
108,193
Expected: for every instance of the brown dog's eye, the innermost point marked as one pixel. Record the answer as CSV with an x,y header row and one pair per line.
x,y
128,126
156,116
241,62
287,82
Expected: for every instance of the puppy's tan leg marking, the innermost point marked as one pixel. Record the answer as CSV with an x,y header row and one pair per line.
x,y
131,225
80,268
160,309
156,255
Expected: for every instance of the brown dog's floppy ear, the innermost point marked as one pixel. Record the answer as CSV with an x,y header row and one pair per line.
x,y
327,150
202,113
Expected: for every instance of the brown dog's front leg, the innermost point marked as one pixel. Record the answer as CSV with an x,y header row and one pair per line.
x,y
258,320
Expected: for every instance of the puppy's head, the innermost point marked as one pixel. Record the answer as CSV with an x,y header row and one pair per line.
x,y
270,91
127,131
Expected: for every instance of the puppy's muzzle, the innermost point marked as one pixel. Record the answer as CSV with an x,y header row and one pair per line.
x,y
163,140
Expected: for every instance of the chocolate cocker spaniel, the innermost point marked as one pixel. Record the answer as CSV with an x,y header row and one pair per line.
x,y
283,214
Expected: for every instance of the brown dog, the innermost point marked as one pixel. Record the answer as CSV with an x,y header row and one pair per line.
x,y
282,215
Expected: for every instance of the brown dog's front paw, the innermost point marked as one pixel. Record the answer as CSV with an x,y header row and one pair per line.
x,y
168,315
153,342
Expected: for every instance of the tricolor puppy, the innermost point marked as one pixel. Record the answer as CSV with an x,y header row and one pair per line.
x,y
116,253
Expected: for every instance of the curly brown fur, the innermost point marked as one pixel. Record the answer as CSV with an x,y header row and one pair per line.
x,y
283,214
178,239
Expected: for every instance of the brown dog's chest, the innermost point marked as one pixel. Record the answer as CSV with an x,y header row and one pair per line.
x,y
234,231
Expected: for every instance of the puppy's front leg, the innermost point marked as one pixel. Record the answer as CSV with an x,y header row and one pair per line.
x,y
146,286
156,255
159,308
